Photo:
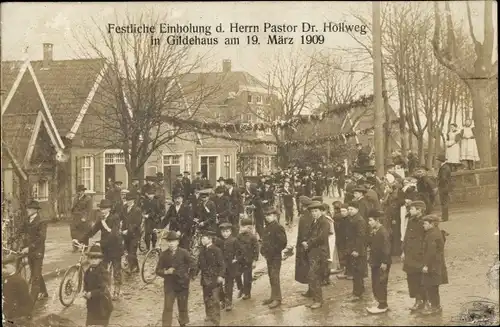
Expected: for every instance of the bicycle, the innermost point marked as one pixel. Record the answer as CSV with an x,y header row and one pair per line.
x,y
72,282
22,266
142,242
151,259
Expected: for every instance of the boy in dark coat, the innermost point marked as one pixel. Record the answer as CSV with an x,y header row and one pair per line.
x,y
95,290
412,255
247,254
229,245
380,260
273,243
131,229
356,248
434,272
175,266
17,301
212,268
341,222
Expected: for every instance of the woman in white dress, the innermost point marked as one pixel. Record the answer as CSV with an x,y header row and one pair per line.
x,y
453,146
468,146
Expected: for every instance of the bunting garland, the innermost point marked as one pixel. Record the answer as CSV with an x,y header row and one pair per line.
x,y
293,122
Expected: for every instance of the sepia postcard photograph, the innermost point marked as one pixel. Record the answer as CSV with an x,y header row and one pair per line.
x,y
249,163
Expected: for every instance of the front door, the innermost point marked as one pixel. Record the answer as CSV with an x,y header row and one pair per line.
x,y
171,167
208,167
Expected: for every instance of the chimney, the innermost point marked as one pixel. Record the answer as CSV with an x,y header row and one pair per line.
x,y
226,66
47,54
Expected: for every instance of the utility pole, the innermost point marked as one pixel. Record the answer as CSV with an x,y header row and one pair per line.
x,y
377,89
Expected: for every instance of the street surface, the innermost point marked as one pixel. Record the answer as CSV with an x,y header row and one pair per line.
x,y
471,249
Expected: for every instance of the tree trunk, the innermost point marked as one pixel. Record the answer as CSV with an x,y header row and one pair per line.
x,y
431,151
479,93
437,143
420,147
410,141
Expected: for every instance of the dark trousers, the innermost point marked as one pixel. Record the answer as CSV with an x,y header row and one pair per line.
x,y
289,214
444,198
235,222
182,306
259,223
297,201
315,277
342,252
358,275
348,264
116,263
37,282
415,287
212,304
226,290
273,271
244,280
432,295
185,242
131,245
149,236
379,285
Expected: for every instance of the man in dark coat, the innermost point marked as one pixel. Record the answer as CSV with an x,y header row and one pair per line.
x,y
131,229
235,199
80,214
247,255
356,245
319,186
268,195
298,191
186,182
341,224
380,260
17,301
288,195
150,183
178,186
363,204
273,243
135,188
308,186
229,246
212,268
152,209
35,229
412,256
111,241
207,212
114,194
317,250
222,205
434,272
444,186
426,188
197,183
179,218
301,263
175,266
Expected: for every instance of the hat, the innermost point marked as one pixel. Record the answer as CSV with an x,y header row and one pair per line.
x,y
130,196
304,200
230,181
221,179
33,205
208,232
105,204
95,251
220,189
171,236
225,226
353,204
271,211
159,174
422,168
177,195
375,214
135,179
361,189
418,205
441,157
81,188
150,178
118,182
187,172
315,205
205,192
317,198
431,218
179,175
246,222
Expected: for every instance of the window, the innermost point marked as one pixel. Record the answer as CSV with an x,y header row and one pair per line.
x,y
170,160
171,131
40,190
249,98
258,99
189,162
87,172
114,158
151,171
227,166
268,99
247,118
269,131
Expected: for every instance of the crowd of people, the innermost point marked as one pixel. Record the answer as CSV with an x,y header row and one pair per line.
x,y
373,220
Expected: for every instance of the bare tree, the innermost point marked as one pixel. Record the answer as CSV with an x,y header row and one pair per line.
x,y
141,92
476,75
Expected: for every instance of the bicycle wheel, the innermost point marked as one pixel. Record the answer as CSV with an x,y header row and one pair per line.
x,y
25,273
195,248
148,268
70,286
142,243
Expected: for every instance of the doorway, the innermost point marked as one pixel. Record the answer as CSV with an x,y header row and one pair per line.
x,y
171,167
209,168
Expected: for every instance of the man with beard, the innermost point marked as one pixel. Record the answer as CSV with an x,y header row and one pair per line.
x,y
301,264
179,218
80,214
316,246
426,188
131,229
356,245
234,197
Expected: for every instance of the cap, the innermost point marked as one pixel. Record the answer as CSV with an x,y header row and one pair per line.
x,y
130,196
118,182
95,251
221,179
353,204
315,205
271,211
317,198
246,222
230,181
361,189
178,195
33,205
171,236
187,173
150,178
179,175
431,218
418,205
105,204
81,188
225,226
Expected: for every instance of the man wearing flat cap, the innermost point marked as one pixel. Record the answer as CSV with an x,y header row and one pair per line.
x,y
35,229
175,266
274,241
179,218
80,214
444,185
131,230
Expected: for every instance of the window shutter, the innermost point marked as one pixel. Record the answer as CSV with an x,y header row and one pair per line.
x,y
78,171
98,173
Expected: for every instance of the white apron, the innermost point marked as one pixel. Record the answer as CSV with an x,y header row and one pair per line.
x,y
453,148
468,146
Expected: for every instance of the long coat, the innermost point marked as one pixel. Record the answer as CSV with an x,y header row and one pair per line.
x,y
317,244
412,246
211,264
132,221
80,211
183,265
444,178
301,263
99,306
433,258
181,220
36,234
